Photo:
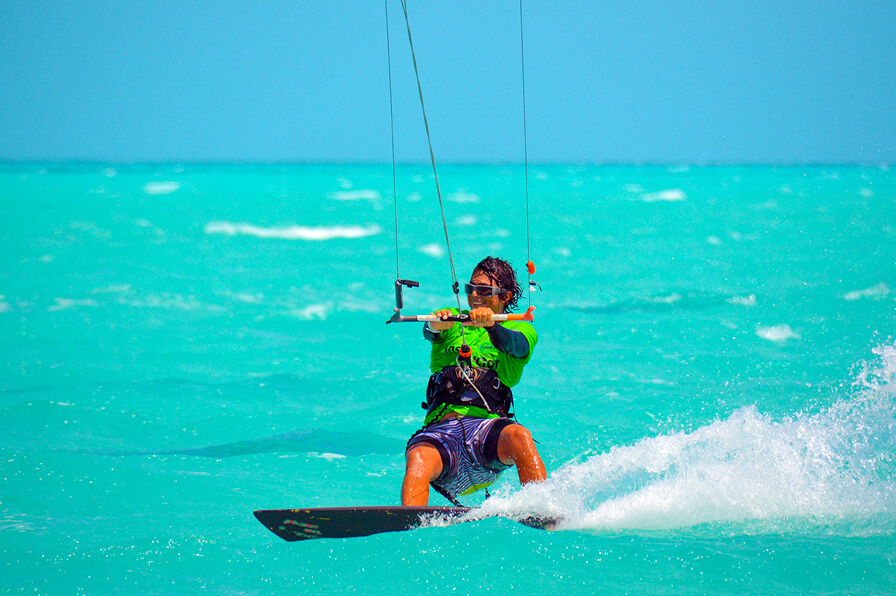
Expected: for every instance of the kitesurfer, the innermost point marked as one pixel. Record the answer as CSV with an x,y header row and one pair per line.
x,y
469,437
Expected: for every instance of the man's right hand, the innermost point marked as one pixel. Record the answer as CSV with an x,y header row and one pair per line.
x,y
441,325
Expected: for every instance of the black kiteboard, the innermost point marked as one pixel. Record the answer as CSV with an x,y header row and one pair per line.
x,y
349,522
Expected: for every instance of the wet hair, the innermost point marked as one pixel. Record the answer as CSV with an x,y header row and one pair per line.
x,y
501,272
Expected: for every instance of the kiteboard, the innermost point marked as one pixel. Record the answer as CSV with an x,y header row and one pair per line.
x,y
351,522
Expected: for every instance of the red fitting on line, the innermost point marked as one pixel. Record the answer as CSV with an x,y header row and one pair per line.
x,y
531,267
465,351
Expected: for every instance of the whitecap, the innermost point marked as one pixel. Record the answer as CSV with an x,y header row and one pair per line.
x,y
357,195
367,194
160,188
777,333
670,299
669,195
174,301
749,300
327,456
146,224
463,197
714,240
245,297
109,172
113,289
4,306
66,303
292,232
466,220
313,312
877,291
433,250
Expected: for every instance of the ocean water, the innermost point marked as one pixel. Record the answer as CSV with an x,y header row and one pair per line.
x,y
714,390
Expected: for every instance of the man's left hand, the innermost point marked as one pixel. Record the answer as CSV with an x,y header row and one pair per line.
x,y
481,317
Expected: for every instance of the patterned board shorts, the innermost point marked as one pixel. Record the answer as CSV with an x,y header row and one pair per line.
x,y
469,450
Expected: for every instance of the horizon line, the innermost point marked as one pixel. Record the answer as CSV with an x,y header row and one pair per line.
x,y
323,162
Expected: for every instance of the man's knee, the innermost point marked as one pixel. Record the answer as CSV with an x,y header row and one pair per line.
x,y
423,461
515,441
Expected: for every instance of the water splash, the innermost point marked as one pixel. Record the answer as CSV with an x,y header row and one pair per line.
x,y
832,468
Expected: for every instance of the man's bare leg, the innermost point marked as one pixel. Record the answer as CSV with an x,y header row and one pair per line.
x,y
515,446
423,465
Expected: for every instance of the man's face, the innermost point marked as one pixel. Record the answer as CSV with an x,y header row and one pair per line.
x,y
475,300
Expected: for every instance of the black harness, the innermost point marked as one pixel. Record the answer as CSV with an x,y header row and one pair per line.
x,y
468,386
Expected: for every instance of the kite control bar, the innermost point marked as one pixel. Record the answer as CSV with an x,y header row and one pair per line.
x,y
400,318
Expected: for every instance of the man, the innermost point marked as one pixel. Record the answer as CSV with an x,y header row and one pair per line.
x,y
468,438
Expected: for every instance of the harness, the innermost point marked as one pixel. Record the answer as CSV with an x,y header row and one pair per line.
x,y
468,386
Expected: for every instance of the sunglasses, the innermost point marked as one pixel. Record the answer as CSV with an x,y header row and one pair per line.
x,y
484,291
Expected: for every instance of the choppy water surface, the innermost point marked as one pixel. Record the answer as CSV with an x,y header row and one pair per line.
x,y
713,391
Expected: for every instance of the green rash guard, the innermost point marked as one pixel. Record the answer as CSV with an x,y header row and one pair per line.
x,y
446,345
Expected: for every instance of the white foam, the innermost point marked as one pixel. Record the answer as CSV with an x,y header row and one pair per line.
x,y
670,299
357,195
4,306
313,312
370,195
714,240
109,172
146,224
171,301
878,291
113,289
749,300
792,472
669,195
463,197
433,250
66,303
249,298
292,232
466,220
777,333
160,188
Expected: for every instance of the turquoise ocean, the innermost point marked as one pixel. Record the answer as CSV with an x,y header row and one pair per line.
x,y
713,392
